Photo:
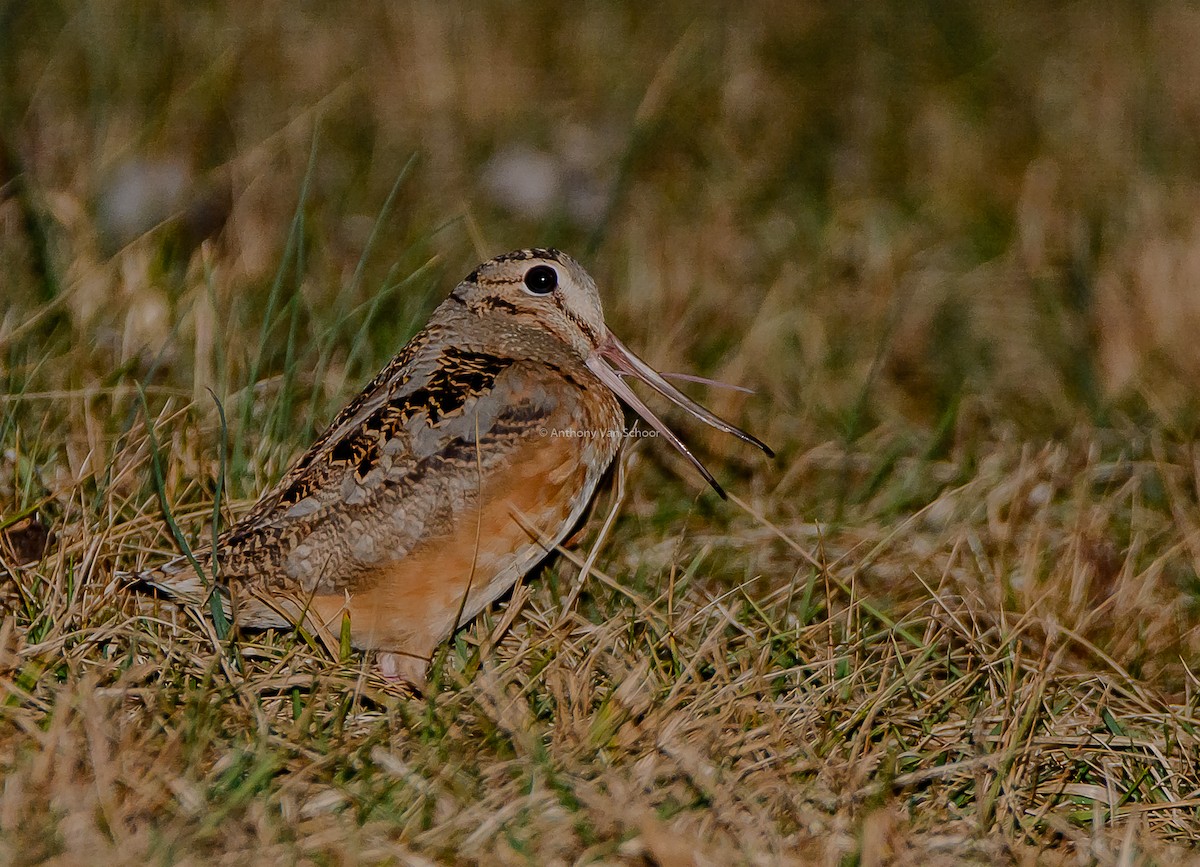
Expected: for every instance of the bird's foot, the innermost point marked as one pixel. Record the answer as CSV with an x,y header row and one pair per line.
x,y
403,668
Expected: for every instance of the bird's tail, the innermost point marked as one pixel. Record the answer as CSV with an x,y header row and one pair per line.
x,y
189,581
178,580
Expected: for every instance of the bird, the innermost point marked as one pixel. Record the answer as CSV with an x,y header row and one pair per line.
x,y
468,458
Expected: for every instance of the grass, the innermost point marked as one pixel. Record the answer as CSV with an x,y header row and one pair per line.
x,y
952,247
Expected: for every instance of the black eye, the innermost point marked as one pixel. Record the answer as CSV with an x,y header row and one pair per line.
x,y
541,279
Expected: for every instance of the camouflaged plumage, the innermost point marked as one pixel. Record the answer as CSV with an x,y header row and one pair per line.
x,y
468,458
463,410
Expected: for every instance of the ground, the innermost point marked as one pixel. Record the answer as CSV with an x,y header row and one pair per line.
x,y
952,246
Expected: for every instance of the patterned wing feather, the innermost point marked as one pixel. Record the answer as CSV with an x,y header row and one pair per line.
x,y
397,478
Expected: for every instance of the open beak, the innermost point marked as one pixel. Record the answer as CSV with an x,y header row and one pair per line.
x,y
612,361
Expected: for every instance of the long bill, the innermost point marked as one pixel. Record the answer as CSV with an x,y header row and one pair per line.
x,y
612,361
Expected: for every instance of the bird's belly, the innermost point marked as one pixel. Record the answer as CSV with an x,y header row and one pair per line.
x,y
411,604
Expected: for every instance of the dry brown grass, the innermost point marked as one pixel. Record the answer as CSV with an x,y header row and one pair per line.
x,y
953,246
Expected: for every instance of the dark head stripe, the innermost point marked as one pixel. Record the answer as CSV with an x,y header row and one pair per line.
x,y
531,253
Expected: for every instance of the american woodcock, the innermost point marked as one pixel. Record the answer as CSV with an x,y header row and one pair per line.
x,y
468,458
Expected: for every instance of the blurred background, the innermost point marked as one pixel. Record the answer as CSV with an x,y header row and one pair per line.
x,y
946,218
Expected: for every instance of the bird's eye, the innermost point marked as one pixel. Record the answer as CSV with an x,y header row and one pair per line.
x,y
541,279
